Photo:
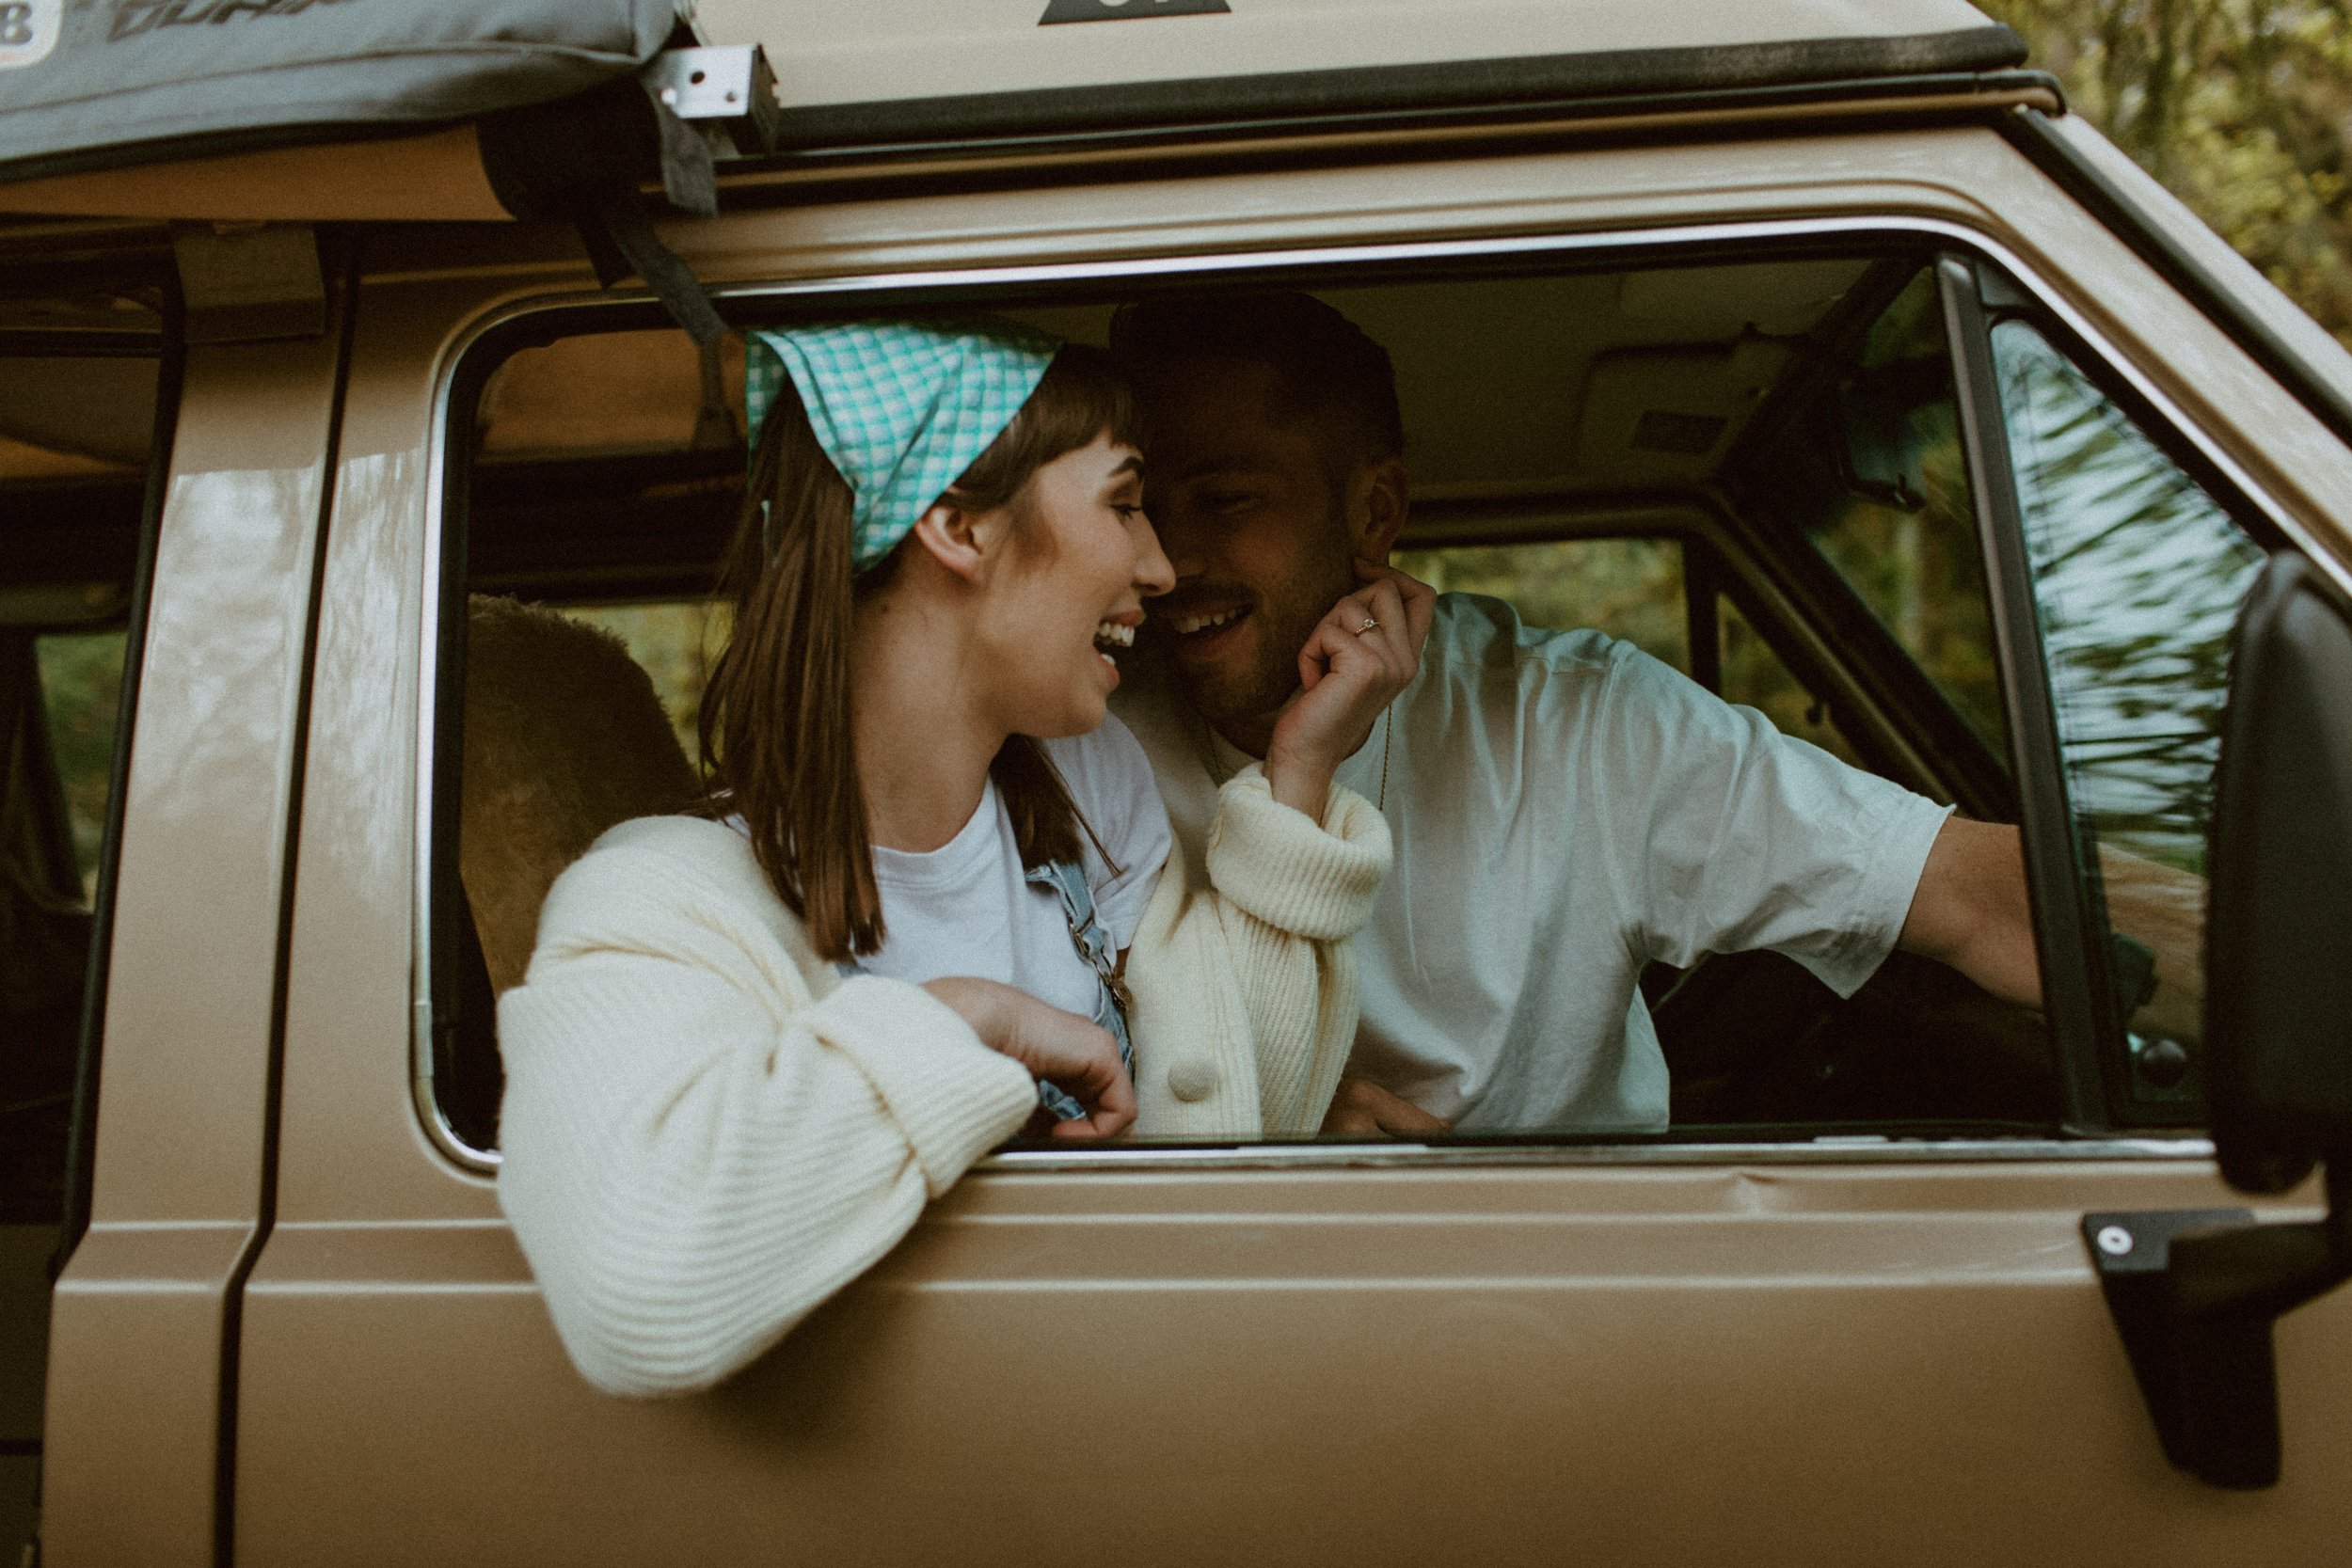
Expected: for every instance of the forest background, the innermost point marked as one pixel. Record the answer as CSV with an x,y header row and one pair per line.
x,y
2242,108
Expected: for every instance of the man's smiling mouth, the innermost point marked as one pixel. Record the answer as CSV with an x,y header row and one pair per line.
x,y
1185,626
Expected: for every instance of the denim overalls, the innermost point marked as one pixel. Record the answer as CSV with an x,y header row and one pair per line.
x,y
1086,933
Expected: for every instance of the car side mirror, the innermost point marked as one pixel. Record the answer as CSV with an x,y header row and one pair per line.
x,y
2278,927
2194,1294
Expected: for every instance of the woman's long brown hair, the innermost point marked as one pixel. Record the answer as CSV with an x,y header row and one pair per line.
x,y
776,741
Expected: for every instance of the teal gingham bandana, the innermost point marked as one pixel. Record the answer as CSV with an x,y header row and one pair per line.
x,y
902,407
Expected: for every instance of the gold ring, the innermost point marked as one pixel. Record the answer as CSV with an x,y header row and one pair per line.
x,y
1370,625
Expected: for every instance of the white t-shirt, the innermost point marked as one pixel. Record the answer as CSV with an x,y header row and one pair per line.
x,y
1566,809
967,907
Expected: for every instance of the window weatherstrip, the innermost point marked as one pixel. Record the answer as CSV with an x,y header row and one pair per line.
x,y
2054,869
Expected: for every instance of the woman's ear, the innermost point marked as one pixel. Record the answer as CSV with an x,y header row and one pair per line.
x,y
959,541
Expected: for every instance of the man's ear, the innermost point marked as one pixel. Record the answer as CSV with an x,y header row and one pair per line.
x,y
1387,492
959,541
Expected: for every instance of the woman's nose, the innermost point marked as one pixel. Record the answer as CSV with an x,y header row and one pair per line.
x,y
1154,574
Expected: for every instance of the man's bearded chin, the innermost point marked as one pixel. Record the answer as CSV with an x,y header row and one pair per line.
x,y
1282,623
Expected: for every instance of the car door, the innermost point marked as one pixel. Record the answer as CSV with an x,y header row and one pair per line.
x,y
1804,1346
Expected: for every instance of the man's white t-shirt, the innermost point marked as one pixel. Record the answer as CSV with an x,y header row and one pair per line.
x,y
1564,810
968,907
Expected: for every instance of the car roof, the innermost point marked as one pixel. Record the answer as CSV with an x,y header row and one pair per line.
x,y
853,73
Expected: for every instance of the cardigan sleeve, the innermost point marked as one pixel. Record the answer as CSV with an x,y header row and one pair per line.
x,y
1245,998
696,1151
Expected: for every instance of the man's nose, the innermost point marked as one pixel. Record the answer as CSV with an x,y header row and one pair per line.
x,y
1179,541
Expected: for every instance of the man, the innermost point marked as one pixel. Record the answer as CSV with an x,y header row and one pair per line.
x,y
1565,809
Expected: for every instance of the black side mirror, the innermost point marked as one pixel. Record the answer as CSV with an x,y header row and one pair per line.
x,y
2194,1294
2279,929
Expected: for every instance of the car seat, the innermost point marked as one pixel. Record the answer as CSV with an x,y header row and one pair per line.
x,y
563,738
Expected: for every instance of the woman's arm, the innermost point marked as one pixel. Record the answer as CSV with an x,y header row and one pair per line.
x,y
1244,993
696,1151
1245,1000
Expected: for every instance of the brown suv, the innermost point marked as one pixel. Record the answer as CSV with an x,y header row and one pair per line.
x,y
1814,347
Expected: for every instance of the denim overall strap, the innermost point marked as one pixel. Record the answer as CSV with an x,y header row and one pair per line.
x,y
1093,940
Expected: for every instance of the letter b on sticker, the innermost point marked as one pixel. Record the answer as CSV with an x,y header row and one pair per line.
x,y
1127,10
28,31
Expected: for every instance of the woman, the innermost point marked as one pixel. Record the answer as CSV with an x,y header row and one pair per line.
x,y
751,1045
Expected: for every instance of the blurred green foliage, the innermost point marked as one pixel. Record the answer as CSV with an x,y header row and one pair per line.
x,y
81,681
1630,588
2243,108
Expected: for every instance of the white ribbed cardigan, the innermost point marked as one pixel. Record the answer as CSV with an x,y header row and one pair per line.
x,y
706,1133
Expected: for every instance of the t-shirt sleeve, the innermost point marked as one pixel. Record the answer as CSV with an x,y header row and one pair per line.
x,y
1733,836
1110,780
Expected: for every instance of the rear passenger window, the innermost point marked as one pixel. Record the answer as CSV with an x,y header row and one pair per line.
x,y
78,383
81,685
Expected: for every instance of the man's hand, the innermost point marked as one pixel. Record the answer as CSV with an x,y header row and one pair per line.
x,y
1364,1109
2164,910
1972,913
1356,660
1077,1055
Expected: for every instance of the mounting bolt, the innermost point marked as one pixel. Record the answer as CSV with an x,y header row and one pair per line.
x,y
2115,1240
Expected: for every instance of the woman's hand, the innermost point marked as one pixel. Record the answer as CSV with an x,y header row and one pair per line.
x,y
1356,662
1077,1055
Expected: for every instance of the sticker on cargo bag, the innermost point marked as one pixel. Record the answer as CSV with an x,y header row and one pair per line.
x,y
1127,10
28,31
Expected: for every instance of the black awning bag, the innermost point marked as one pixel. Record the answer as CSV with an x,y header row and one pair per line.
x,y
97,83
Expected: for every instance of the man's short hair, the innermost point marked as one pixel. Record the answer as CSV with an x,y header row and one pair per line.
x,y
1328,370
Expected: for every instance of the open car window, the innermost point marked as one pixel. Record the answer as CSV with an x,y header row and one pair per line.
x,y
1683,455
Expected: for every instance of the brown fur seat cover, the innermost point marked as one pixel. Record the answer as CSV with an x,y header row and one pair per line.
x,y
564,737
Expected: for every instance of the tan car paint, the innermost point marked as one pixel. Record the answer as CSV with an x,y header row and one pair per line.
x,y
1862,1357
884,51
132,1418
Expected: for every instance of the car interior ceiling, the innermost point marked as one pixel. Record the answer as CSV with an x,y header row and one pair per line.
x,y
1595,404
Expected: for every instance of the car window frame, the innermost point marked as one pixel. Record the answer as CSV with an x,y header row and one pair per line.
x,y
475,350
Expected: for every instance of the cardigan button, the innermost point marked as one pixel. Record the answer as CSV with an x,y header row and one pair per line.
x,y
1192,1079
